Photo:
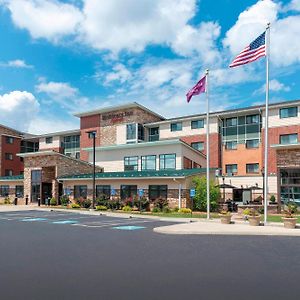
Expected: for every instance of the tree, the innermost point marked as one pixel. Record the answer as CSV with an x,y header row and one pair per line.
x,y
199,183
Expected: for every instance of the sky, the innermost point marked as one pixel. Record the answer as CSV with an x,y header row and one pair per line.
x,y
59,57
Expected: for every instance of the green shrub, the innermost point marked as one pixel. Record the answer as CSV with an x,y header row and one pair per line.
x,y
53,202
272,199
64,200
127,208
75,205
166,210
156,210
185,211
200,197
101,207
176,209
84,203
7,200
161,203
292,207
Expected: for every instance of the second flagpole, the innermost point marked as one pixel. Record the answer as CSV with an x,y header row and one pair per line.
x,y
207,145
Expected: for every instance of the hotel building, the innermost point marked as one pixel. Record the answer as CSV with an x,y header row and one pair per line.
x,y
138,149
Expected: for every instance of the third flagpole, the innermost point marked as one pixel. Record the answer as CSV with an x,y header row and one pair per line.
x,y
266,125
207,145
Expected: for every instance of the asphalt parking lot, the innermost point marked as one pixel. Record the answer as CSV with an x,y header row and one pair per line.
x,y
57,255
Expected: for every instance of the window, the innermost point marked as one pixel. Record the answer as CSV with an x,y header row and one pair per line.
x,y
141,132
49,140
71,145
288,112
9,172
197,124
80,191
176,126
131,163
153,134
158,191
131,132
19,191
253,119
252,168
8,156
198,146
128,191
149,162
231,145
288,138
77,155
231,122
10,140
231,169
252,143
103,192
36,176
167,161
4,190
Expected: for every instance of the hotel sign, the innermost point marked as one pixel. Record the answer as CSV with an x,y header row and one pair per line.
x,y
117,117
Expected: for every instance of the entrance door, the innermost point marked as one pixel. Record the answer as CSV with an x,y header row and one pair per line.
x,y
46,191
246,196
237,195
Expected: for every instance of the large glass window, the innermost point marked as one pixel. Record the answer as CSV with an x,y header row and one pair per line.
x,y
149,162
153,134
198,145
197,124
288,138
71,145
158,191
131,132
4,190
28,146
231,145
103,191
288,112
252,119
49,140
231,169
131,163
231,122
80,191
167,161
176,126
141,132
128,191
252,168
19,191
252,143
36,179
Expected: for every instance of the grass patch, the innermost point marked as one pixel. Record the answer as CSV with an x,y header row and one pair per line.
x,y
181,215
277,218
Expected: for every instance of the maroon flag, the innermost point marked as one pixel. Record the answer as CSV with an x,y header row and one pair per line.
x,y
197,89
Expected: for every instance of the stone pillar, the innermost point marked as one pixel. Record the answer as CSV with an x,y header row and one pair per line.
x,y
27,183
55,189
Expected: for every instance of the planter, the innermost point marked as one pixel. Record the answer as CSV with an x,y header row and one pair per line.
x,y
289,222
225,219
254,220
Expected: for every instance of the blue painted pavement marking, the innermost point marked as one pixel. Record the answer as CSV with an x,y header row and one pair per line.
x,y
129,227
65,222
33,219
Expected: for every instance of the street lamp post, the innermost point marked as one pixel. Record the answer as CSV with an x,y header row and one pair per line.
x,y
263,176
92,135
223,178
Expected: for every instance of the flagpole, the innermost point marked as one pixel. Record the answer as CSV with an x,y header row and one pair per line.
x,y
266,125
207,145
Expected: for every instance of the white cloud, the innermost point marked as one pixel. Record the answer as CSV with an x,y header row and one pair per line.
x,y
17,63
120,73
48,19
18,108
294,5
274,86
284,31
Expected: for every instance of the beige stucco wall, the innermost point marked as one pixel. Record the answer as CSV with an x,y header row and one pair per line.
x,y
12,186
113,160
166,133
56,143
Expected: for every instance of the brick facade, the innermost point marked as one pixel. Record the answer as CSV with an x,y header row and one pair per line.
x,y
215,144
16,165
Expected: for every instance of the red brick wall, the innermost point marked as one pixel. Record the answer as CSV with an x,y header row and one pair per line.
x,y
89,123
215,141
274,136
15,165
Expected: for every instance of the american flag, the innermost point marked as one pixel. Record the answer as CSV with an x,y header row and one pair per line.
x,y
255,50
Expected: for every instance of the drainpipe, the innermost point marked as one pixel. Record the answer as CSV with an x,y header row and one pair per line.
x,y
179,193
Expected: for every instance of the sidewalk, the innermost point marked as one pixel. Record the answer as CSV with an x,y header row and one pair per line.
x,y
211,227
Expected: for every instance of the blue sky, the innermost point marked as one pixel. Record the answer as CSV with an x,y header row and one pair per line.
x,y
61,57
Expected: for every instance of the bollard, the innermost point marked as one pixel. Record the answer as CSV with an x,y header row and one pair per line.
x,y
16,201
39,201
26,200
